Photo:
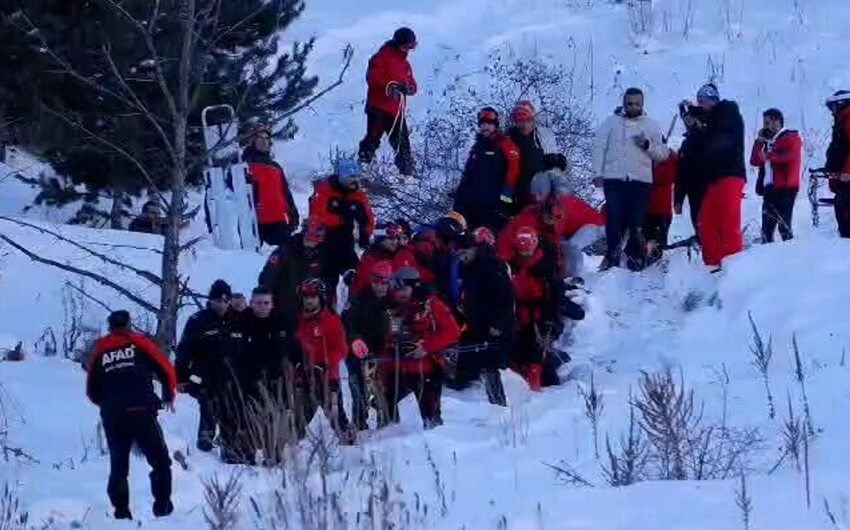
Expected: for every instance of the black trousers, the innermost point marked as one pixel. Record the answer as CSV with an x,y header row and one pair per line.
x,y
142,429
357,386
379,123
695,203
777,210
656,228
274,234
626,203
428,390
842,209
209,419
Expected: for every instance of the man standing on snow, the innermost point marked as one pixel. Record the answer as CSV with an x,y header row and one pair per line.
x,y
838,158
537,150
486,193
778,153
691,179
626,145
386,248
208,346
723,163
390,79
120,374
277,215
340,204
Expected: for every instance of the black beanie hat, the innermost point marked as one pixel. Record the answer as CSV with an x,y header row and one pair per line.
x,y
118,320
220,289
404,36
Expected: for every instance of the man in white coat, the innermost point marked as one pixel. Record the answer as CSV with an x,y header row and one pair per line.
x,y
626,145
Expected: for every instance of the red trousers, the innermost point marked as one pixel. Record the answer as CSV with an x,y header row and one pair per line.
x,y
720,220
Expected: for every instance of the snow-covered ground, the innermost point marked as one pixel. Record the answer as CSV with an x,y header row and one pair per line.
x,y
491,463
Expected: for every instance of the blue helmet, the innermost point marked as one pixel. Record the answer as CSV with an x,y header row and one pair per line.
x,y
347,168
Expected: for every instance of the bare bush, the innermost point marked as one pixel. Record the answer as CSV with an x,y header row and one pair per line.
x,y
444,136
744,502
12,514
793,433
594,404
838,521
800,374
762,355
682,445
641,20
627,464
222,502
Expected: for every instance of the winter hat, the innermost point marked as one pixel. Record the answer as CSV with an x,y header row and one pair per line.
x,y
382,270
347,169
404,37
550,182
526,239
315,231
523,111
118,320
840,99
220,290
708,92
488,115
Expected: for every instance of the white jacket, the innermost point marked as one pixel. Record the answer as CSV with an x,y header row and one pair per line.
x,y
617,156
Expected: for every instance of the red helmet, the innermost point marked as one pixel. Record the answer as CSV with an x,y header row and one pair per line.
x,y
526,239
483,235
382,271
311,287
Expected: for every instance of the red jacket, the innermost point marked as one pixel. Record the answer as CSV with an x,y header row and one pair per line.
x,y
570,212
388,65
661,194
532,280
338,207
374,254
786,159
272,196
322,340
120,373
430,321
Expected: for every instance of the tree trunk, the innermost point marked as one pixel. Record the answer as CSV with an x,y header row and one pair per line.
x,y
116,214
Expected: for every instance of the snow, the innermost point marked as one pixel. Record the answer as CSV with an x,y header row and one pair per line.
x,y
491,462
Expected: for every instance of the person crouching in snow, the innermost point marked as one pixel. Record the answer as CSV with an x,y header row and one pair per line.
x,y
391,82
321,335
421,329
340,204
778,153
485,195
564,220
539,294
659,212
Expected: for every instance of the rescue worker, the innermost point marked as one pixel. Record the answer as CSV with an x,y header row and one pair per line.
x,y
386,247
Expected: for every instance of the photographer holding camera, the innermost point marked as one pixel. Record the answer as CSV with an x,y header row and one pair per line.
x,y
691,179
722,160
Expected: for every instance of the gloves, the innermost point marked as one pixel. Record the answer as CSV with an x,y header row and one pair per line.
x,y
359,349
363,241
396,90
507,197
348,277
641,141
555,161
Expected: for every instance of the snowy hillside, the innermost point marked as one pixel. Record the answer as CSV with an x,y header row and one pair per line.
x,y
489,468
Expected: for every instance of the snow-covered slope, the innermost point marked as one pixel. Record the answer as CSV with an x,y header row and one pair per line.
x,y
490,463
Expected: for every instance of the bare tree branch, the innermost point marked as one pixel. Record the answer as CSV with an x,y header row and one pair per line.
x,y
141,302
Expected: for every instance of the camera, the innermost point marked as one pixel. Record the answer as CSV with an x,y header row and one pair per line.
x,y
694,111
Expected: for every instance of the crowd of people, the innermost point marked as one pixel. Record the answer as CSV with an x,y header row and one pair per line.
x,y
485,287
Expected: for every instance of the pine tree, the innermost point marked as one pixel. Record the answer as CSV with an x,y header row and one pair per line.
x,y
57,117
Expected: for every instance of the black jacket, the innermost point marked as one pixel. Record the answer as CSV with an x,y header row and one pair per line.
x,y
269,343
691,174
120,374
367,318
724,148
209,348
532,160
288,266
487,296
477,197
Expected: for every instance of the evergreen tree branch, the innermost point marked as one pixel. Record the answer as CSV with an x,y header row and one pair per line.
x,y
112,145
103,280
